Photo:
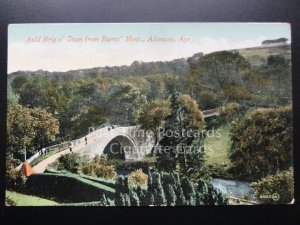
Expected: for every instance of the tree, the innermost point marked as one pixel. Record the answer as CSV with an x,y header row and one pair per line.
x,y
14,179
262,142
30,129
214,72
12,97
278,188
188,191
45,127
171,189
208,195
125,99
152,116
159,194
184,125
18,82
119,194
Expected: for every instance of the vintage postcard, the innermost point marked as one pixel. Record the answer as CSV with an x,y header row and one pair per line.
x,y
149,114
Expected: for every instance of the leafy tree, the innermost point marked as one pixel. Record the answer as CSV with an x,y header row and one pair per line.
x,y
262,142
216,71
12,97
18,82
152,116
32,93
125,98
30,129
45,126
280,185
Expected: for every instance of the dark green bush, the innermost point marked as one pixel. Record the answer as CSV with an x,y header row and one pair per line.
x,y
70,162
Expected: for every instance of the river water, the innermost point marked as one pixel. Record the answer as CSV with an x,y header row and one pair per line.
x,y
233,187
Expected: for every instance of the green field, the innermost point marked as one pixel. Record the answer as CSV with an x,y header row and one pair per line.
x,y
28,200
218,147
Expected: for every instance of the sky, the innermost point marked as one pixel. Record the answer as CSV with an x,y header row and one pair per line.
x,y
64,47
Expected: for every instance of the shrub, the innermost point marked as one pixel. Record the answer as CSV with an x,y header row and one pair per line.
x,y
262,142
14,179
208,100
229,111
103,171
282,184
137,177
70,162
99,166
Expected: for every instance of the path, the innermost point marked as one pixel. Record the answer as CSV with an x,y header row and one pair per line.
x,y
42,166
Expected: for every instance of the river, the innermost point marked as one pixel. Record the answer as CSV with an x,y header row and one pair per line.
x,y
233,187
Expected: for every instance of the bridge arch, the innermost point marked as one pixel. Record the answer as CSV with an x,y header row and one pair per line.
x,y
121,147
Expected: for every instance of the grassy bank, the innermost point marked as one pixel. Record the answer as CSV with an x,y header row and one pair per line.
x,y
28,200
219,146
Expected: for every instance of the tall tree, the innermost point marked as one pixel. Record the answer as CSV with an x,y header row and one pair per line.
x,y
30,129
152,116
184,125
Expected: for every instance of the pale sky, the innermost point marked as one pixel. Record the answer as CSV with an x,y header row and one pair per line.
x,y
65,54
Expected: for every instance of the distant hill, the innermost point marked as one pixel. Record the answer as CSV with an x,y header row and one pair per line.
x,y
256,56
259,55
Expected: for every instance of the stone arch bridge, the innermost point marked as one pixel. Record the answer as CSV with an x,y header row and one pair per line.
x,y
135,142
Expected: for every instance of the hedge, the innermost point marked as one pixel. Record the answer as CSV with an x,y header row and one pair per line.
x,y
67,188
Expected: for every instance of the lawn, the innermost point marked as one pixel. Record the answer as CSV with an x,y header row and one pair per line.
x,y
28,200
217,147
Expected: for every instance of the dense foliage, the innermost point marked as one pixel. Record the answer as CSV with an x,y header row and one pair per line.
x,y
99,166
43,111
262,142
137,177
29,128
278,188
14,179
168,189
181,136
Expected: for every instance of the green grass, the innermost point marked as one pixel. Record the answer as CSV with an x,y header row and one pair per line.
x,y
217,147
28,200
